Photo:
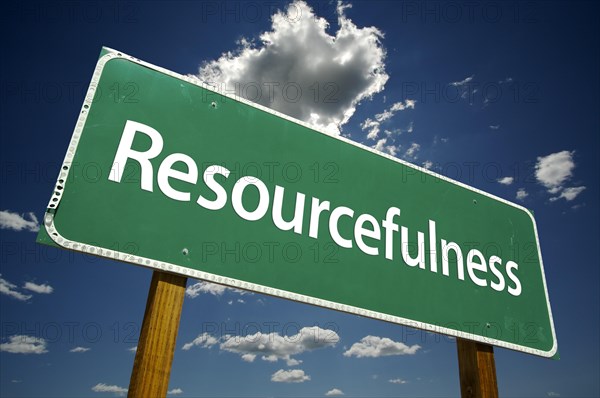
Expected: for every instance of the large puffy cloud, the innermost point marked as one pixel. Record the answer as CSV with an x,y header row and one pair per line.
x,y
270,347
333,72
374,347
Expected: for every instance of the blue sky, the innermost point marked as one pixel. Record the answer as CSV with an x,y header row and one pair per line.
x,y
501,96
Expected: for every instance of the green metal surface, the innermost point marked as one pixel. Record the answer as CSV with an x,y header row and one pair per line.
x,y
213,129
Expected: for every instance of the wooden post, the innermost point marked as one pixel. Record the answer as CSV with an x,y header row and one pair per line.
x,y
156,346
477,370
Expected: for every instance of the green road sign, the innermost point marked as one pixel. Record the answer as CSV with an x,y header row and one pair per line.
x,y
164,172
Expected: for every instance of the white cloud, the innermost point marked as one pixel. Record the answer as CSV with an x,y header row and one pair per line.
x,y
411,152
132,349
380,145
248,357
196,289
293,362
101,387
17,222
398,381
389,149
506,80
553,394
506,180
41,289
333,71
373,126
554,170
175,391
335,392
495,126
80,349
199,288
391,111
204,340
522,194
289,376
10,290
21,344
462,82
271,347
374,347
569,194
428,164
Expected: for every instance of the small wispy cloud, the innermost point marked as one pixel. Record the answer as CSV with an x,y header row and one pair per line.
x,y
175,391
495,126
398,381
411,152
382,146
101,387
22,344
373,126
80,349
506,180
18,222
521,194
335,392
462,82
40,289
204,340
569,194
11,290
199,288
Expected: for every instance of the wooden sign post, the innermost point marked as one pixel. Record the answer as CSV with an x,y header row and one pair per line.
x,y
156,346
477,370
